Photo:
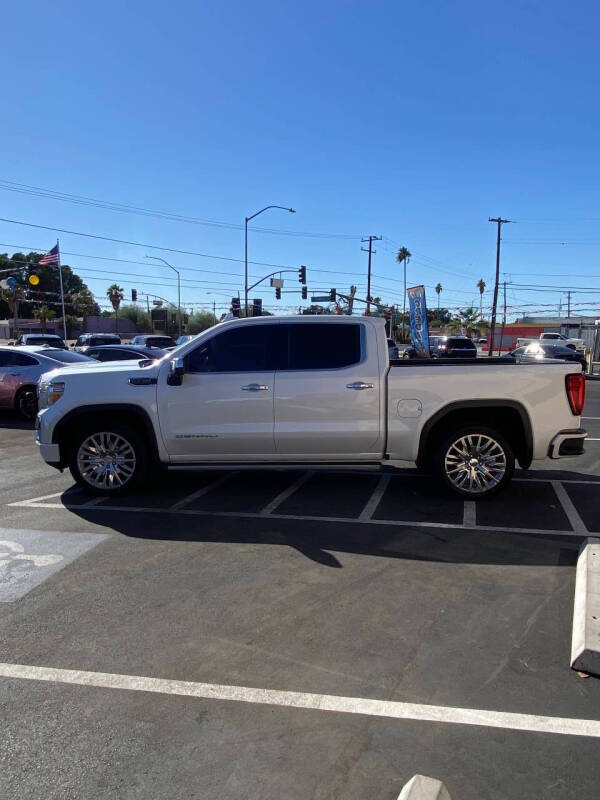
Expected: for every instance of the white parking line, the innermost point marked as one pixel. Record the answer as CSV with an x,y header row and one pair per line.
x,y
46,497
278,500
403,523
531,723
205,490
375,498
577,523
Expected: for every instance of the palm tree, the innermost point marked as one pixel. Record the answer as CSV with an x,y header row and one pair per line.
x,y
43,314
83,302
13,298
438,291
115,294
403,257
481,287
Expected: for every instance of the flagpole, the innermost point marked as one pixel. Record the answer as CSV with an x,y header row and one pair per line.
x,y
62,294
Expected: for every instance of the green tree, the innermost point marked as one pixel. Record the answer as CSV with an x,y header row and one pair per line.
x,y
466,319
43,314
481,287
48,288
139,316
12,299
438,291
200,321
84,305
115,294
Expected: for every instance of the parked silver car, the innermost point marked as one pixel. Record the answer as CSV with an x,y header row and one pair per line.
x,y
20,369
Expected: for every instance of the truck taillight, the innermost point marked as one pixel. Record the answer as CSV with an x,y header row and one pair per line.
x,y
575,384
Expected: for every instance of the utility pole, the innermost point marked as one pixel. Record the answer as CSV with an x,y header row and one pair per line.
x,y
370,251
503,321
499,221
568,305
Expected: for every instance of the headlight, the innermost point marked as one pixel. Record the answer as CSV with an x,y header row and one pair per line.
x,y
49,392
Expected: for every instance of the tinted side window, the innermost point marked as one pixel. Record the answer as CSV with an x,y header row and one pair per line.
x,y
4,358
323,346
249,348
21,360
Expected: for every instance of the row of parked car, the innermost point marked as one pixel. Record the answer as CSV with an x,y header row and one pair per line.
x,y
22,362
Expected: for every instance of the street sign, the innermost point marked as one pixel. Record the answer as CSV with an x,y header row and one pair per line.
x,y
277,283
320,298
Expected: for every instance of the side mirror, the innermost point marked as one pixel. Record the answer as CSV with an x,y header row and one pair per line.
x,y
176,372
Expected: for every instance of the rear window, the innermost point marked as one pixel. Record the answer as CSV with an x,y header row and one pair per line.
x,y
55,340
64,356
99,340
457,341
323,346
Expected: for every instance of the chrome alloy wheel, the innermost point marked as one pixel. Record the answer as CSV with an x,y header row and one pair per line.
x,y
475,463
106,460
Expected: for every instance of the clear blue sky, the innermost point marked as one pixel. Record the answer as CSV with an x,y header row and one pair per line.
x,y
415,121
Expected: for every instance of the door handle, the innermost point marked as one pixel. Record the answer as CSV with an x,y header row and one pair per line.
x,y
359,385
255,387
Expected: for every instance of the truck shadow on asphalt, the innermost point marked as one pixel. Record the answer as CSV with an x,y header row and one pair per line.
x,y
322,542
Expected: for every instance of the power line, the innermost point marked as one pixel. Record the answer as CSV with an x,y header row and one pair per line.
x,y
53,194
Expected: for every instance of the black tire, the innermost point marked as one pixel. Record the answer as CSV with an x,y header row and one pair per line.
x,y
481,479
406,355
128,444
26,402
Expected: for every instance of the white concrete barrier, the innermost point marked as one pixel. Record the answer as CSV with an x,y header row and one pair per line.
x,y
420,787
585,642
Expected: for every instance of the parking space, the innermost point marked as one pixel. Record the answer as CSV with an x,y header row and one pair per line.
x,y
216,633
532,505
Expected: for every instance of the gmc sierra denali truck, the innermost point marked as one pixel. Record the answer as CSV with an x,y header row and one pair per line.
x,y
307,390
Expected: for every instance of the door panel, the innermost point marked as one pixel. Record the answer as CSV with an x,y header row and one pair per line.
x,y
223,409
324,411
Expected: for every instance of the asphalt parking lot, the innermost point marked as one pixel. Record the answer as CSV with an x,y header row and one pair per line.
x,y
232,634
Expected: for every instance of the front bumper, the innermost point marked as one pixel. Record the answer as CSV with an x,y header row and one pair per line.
x,y
567,443
49,451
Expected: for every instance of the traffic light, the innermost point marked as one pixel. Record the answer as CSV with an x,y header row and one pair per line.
x,y
332,294
34,277
277,293
302,274
134,295
257,307
304,292
235,306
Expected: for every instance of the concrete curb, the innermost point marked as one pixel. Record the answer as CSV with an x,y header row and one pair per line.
x,y
585,643
420,787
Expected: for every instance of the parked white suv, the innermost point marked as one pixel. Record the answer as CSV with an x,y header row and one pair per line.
x,y
307,390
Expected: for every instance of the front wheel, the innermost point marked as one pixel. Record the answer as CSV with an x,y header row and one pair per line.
x,y
108,458
26,402
475,462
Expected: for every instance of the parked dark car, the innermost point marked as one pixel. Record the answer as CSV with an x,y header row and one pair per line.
x,y
447,347
96,340
122,352
538,351
153,340
41,339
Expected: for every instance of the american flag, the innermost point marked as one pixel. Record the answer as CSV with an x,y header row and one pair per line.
x,y
52,257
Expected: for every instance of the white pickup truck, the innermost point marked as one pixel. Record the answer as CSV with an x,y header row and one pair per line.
x,y
552,337
307,390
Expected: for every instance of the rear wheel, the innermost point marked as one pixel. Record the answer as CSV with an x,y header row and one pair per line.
x,y
475,462
108,458
26,402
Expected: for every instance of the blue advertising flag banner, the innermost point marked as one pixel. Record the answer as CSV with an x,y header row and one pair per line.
x,y
419,328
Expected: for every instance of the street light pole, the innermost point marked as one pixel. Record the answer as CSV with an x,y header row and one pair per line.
x,y
246,221
158,258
